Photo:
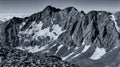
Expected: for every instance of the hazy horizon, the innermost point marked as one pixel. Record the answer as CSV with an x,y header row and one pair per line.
x,y
32,6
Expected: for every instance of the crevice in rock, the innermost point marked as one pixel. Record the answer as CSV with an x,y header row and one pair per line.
x,y
104,32
86,21
73,28
95,27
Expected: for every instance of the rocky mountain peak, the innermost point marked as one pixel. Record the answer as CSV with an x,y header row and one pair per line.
x,y
51,8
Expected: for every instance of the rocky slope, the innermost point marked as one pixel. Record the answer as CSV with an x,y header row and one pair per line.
x,y
89,40
18,58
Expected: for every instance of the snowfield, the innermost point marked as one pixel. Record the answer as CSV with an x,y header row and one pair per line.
x,y
99,52
37,29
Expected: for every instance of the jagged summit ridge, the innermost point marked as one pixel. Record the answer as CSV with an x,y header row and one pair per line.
x,y
50,8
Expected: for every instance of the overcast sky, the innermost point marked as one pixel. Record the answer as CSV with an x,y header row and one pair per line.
x,y
32,6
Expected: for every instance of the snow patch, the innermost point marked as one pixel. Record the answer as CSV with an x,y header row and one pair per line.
x,y
86,48
99,52
58,49
64,58
68,47
83,43
33,49
76,48
113,48
23,23
99,13
53,46
113,19
76,55
37,49
57,29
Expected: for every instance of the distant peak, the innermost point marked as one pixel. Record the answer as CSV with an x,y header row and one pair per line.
x,y
16,18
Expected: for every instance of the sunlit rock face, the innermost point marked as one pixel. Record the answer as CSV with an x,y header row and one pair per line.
x,y
88,40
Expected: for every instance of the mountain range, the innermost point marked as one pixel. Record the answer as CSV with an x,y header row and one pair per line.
x,y
66,37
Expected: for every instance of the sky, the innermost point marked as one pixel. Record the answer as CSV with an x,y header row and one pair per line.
x,y
33,6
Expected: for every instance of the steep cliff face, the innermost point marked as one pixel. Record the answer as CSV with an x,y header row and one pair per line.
x,y
89,40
